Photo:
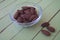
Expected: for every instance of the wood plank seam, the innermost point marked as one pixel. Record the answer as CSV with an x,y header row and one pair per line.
x,y
17,33
37,33
5,27
8,5
3,16
47,5
56,35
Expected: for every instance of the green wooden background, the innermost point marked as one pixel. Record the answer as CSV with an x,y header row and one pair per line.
x,y
15,32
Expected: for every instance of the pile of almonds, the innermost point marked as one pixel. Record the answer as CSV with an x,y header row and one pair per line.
x,y
49,28
26,14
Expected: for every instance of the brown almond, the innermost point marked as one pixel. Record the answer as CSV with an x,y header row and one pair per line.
x,y
51,29
33,11
20,20
33,17
20,11
45,24
27,11
45,32
16,15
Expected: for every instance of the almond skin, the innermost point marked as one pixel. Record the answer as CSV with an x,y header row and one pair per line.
x,y
51,29
16,15
45,24
45,32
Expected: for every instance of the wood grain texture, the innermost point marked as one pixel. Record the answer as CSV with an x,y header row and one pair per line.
x,y
49,8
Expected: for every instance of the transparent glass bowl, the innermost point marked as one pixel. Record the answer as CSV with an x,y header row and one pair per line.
x,y
38,9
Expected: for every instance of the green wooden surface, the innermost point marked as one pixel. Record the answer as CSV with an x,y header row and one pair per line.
x,y
16,32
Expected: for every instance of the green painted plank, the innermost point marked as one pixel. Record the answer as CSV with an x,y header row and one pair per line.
x,y
27,33
55,22
58,36
6,10
34,1
10,32
45,3
5,3
4,22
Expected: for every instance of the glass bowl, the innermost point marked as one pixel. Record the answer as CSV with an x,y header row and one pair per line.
x,y
38,9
